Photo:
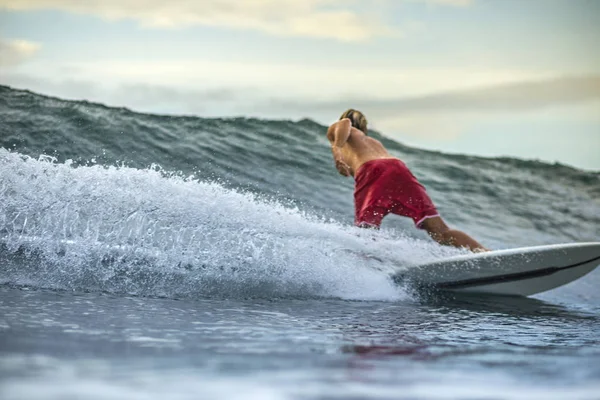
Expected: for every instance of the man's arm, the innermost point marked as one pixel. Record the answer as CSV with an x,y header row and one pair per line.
x,y
338,135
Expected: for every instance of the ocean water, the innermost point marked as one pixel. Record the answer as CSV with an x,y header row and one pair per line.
x,y
147,256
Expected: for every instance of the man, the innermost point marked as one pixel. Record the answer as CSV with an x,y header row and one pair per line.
x,y
383,183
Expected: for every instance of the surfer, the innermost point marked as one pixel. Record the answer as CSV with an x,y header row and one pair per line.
x,y
384,184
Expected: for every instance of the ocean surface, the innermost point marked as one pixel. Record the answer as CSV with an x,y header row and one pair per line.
x,y
149,256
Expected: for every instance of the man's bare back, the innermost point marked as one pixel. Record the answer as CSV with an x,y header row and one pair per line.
x,y
352,148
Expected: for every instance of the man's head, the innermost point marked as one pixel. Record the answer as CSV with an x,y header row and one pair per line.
x,y
357,118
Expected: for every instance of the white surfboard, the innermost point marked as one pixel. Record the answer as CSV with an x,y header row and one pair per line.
x,y
514,272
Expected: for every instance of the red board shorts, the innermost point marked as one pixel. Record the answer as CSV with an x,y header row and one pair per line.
x,y
386,186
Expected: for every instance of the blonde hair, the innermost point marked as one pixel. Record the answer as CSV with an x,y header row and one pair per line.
x,y
359,121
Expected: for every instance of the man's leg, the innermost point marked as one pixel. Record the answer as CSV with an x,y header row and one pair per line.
x,y
441,233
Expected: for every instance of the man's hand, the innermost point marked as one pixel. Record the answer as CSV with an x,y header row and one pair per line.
x,y
342,167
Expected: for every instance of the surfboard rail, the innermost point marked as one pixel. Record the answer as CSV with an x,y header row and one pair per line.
x,y
517,272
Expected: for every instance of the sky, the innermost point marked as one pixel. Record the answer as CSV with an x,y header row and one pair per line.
x,y
516,78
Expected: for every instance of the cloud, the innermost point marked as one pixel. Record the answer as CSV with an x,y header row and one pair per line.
x,y
308,18
333,19
330,81
15,52
286,82
511,97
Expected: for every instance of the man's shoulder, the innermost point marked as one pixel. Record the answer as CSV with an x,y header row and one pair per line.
x,y
342,124
343,121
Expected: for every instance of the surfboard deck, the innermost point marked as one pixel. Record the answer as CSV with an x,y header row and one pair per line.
x,y
513,272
